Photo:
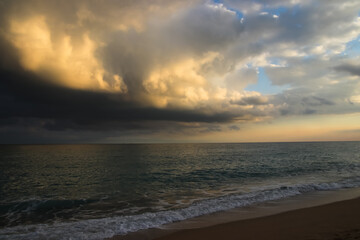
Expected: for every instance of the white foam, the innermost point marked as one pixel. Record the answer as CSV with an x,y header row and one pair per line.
x,y
108,227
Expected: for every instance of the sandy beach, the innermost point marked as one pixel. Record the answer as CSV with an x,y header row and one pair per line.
x,y
340,220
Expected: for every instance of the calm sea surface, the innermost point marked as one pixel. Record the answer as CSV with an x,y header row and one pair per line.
x,y
97,191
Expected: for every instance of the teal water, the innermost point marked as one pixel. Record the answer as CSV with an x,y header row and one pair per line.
x,y
97,191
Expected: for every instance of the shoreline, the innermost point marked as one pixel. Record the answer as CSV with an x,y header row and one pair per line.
x,y
339,220
288,218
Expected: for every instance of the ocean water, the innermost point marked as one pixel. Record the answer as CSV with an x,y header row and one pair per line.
x,y
97,191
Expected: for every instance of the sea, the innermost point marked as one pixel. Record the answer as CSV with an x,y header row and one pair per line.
x,y
98,191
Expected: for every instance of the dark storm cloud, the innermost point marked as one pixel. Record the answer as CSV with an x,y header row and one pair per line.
x,y
33,111
253,100
349,68
309,111
26,95
34,101
181,66
316,101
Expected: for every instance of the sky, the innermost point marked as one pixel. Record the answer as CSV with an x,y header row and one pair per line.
x,y
139,71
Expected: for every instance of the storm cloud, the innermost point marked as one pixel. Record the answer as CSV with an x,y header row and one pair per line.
x,y
107,69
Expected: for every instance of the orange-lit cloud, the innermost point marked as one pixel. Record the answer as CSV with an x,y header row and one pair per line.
x,y
62,60
182,67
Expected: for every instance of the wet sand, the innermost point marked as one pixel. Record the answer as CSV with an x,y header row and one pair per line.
x,y
319,215
337,221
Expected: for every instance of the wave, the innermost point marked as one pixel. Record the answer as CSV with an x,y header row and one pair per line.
x,y
108,227
37,210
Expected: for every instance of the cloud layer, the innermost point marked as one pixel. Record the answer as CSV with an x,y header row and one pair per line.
x,y
88,70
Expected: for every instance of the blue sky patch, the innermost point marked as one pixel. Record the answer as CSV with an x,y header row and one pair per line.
x,y
275,11
239,14
352,48
264,84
